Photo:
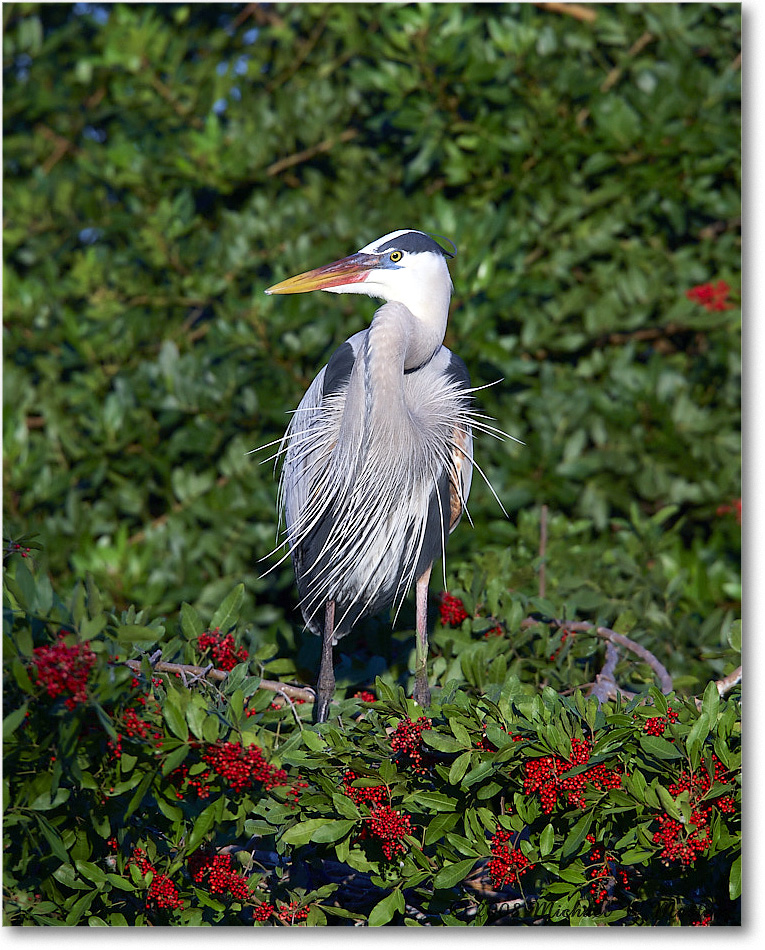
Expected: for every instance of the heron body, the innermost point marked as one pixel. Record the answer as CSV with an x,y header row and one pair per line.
x,y
378,456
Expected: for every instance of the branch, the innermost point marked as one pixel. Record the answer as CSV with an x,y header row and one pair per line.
x,y
605,676
276,167
576,10
206,672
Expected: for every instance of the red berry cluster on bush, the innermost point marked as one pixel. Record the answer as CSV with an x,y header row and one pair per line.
x,y
711,296
508,863
162,892
242,767
63,670
366,696
365,794
390,826
291,913
685,842
656,725
407,741
216,873
603,872
734,508
548,777
224,654
452,610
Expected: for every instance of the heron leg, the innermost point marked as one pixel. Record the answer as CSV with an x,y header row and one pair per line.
x,y
325,685
421,693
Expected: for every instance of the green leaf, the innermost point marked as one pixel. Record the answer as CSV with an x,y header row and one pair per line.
x,y
174,717
54,840
547,840
175,758
695,738
578,833
452,874
302,832
661,748
226,616
711,702
459,766
203,823
333,830
437,740
13,720
134,633
734,886
191,623
384,911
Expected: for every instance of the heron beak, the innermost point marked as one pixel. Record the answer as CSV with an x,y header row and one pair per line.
x,y
349,270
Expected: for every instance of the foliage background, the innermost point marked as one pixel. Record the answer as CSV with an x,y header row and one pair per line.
x,y
165,163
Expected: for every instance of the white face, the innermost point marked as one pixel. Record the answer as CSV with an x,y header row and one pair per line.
x,y
404,266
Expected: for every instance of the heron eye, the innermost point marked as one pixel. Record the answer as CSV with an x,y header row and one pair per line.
x,y
396,256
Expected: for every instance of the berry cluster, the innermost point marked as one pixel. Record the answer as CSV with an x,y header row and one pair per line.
x,y
224,654
706,921
215,872
407,741
243,767
64,670
685,842
162,891
390,827
16,548
547,776
291,913
452,610
734,508
365,696
711,296
366,795
604,872
656,725
508,863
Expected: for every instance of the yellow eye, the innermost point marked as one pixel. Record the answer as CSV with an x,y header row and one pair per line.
x,y
396,256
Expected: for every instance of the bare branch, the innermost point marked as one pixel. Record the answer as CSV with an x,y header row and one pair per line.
x,y
665,680
209,672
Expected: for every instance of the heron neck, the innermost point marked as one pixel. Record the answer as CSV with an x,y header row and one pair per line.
x,y
397,341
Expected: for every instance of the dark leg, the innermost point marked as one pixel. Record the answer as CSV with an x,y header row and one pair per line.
x,y
421,693
325,685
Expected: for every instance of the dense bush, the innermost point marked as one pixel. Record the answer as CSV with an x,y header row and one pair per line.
x,y
165,163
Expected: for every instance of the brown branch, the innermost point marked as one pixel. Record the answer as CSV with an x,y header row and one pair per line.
x,y
205,672
728,682
616,73
283,163
62,146
576,626
576,10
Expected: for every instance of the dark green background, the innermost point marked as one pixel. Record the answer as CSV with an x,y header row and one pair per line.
x,y
164,164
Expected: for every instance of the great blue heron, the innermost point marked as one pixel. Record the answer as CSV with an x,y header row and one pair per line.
x,y
378,457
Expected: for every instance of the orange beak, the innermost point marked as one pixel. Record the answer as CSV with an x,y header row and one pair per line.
x,y
349,270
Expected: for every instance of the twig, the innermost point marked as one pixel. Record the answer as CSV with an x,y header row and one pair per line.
x,y
542,549
665,680
729,681
576,10
615,75
605,684
283,163
209,672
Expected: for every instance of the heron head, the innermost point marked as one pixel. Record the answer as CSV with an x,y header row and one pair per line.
x,y
404,266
